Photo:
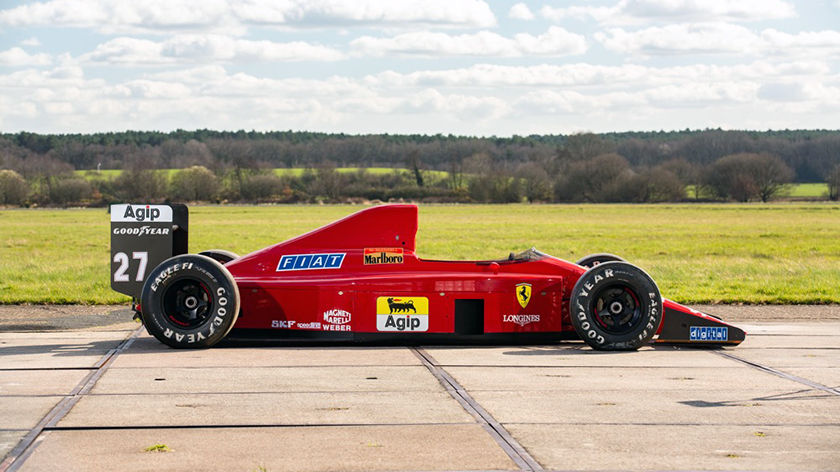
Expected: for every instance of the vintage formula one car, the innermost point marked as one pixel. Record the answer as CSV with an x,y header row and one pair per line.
x,y
360,279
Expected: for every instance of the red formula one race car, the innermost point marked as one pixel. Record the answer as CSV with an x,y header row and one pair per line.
x,y
360,279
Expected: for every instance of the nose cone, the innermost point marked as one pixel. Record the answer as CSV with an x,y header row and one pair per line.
x,y
682,325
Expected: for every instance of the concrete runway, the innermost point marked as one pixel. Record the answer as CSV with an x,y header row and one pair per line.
x,y
97,398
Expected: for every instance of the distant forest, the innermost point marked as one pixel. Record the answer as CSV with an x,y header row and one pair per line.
x,y
585,167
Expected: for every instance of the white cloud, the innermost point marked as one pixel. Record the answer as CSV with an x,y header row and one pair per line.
x,y
568,102
31,42
236,16
639,11
154,89
481,99
701,95
799,92
805,42
520,11
118,16
224,48
715,38
582,75
209,96
17,57
466,106
128,51
782,92
680,39
205,48
555,42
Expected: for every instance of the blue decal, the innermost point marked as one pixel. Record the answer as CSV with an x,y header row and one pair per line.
x,y
310,261
318,261
302,262
708,333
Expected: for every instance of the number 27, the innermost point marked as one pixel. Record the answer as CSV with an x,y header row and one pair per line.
x,y
122,259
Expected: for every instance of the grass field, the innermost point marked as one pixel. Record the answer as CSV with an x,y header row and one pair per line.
x,y
295,172
778,253
809,190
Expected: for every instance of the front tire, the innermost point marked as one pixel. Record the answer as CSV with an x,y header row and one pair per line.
x,y
220,255
190,301
616,306
592,260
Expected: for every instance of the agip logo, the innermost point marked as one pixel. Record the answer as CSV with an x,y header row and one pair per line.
x,y
402,314
141,213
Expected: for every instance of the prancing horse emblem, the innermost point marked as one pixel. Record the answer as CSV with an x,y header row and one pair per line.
x,y
523,294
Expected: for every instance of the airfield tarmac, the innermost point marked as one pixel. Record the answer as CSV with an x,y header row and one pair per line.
x,y
82,388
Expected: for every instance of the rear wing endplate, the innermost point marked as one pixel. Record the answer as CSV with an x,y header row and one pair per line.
x,y
143,236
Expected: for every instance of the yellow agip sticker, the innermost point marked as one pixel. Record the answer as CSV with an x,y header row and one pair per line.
x,y
402,314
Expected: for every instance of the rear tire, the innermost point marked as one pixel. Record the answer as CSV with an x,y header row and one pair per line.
x,y
190,301
219,255
592,260
616,306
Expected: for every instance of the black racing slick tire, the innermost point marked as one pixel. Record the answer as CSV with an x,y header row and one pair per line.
x,y
189,301
616,306
592,260
219,255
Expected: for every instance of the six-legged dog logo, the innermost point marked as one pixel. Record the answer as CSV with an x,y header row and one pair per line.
x,y
401,307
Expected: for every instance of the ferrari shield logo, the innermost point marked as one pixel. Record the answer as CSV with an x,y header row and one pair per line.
x,y
523,294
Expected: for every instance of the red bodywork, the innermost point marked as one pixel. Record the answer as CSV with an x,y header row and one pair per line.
x,y
354,297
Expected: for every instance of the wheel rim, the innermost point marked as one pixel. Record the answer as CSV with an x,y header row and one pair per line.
x,y
617,309
187,303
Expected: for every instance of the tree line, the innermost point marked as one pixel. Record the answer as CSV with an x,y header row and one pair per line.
x,y
215,166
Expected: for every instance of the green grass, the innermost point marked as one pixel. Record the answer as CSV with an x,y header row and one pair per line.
x,y
158,448
793,191
295,172
775,253
110,174
809,190
102,174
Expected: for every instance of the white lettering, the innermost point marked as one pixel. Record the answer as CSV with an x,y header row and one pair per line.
x,y
338,317
521,320
282,324
141,231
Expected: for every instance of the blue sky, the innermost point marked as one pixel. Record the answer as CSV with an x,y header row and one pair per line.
x,y
467,67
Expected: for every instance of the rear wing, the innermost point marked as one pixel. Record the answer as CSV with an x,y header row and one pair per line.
x,y
143,236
